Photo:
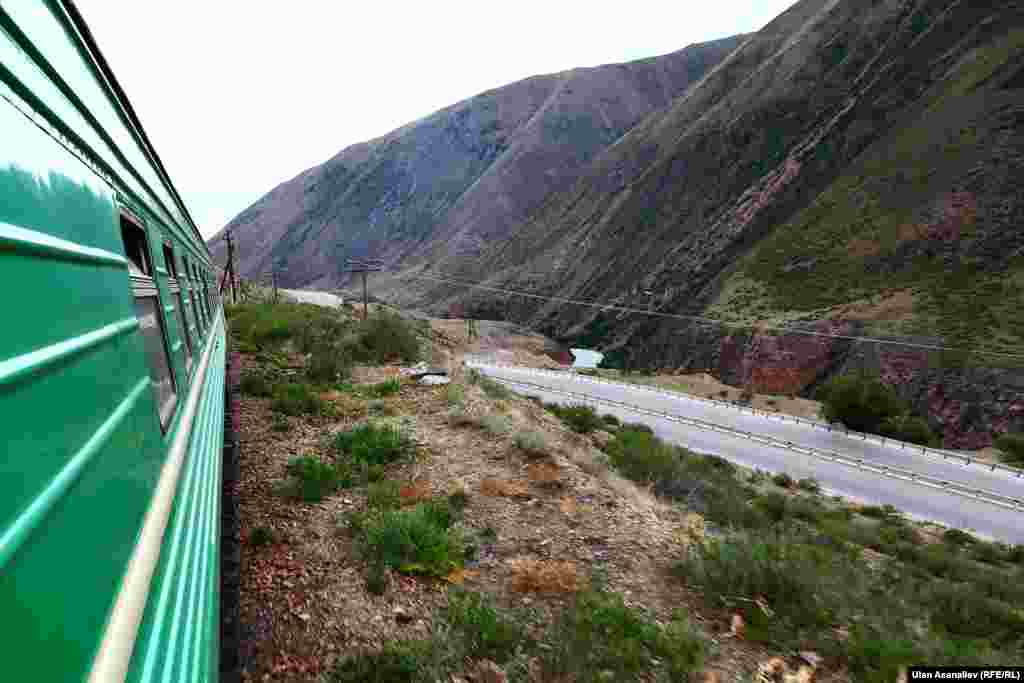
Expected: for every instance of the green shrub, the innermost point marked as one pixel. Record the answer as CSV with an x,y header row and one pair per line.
x,y
910,429
957,537
1012,446
484,633
861,403
961,611
582,419
642,457
384,336
773,505
376,578
370,444
397,662
297,399
328,364
418,540
279,423
269,326
261,536
256,384
809,484
495,389
877,512
495,424
610,420
530,442
988,553
388,387
458,500
455,394
784,480
878,657
637,427
599,638
315,479
384,495
806,585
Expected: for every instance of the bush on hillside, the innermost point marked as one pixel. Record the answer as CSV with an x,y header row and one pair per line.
x,y
256,384
328,363
269,326
297,399
384,336
1012,446
859,402
370,444
910,429
580,418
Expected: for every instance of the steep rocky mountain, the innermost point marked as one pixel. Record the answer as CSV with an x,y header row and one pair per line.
x,y
853,168
461,177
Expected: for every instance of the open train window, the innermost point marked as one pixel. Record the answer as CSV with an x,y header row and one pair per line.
x,y
151,325
179,308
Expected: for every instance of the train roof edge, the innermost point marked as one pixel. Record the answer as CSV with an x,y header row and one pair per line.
x,y
77,23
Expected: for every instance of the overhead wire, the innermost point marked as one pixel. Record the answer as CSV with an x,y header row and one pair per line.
x,y
710,321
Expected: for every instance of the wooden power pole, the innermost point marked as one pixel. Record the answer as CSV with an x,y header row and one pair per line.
x,y
229,269
364,266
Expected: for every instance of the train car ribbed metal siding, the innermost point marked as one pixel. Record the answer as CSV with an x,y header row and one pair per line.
x,y
82,450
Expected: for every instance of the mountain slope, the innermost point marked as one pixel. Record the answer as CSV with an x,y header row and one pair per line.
x,y
461,177
854,167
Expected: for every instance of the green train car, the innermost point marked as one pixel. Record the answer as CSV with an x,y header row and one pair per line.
x,y
111,379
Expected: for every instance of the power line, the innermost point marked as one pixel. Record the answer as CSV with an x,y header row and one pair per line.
x,y
710,321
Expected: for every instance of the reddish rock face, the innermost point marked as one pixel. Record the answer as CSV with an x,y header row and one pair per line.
x,y
780,364
966,407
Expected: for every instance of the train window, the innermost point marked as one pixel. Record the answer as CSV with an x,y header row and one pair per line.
x,y
172,268
147,310
203,303
135,248
200,315
174,286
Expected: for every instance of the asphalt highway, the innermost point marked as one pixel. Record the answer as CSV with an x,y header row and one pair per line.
x,y
838,478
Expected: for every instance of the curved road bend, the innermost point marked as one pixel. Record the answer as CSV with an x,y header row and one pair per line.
x,y
917,500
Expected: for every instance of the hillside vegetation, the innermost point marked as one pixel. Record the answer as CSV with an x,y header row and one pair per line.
x,y
406,533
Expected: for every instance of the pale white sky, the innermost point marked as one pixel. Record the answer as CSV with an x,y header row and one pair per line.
x,y
239,96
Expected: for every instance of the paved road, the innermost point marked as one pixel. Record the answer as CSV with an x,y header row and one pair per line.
x,y
312,297
927,503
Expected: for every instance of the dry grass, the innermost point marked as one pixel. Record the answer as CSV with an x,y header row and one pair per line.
x,y
898,305
544,473
415,492
545,576
504,488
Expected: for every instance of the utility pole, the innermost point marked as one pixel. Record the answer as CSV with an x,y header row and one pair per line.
x,y
364,266
229,269
273,281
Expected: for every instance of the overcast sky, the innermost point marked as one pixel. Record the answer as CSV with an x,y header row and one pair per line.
x,y
239,96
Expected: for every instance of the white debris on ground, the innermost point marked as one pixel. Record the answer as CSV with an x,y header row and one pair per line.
x,y
417,369
434,379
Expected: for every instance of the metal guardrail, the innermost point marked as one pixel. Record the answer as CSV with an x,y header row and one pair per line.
x,y
981,495
677,395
